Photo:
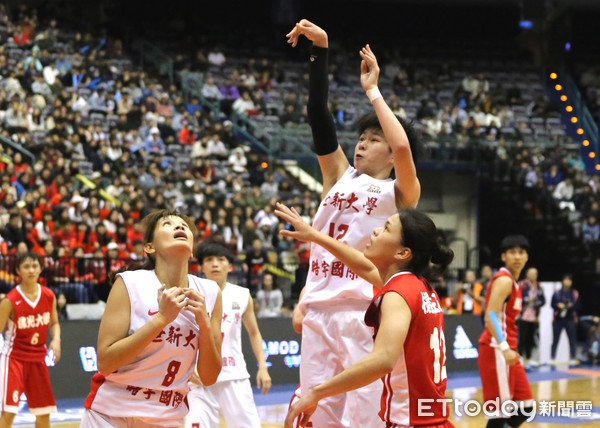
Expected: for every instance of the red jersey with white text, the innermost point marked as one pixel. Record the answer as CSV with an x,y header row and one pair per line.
x,y
351,210
413,391
508,317
27,331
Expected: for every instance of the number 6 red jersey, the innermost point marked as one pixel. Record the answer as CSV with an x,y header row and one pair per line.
x,y
26,333
414,390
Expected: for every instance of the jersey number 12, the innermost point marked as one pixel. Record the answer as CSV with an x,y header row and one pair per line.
x,y
437,343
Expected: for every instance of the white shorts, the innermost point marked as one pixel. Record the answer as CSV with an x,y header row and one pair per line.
x,y
93,419
331,342
233,398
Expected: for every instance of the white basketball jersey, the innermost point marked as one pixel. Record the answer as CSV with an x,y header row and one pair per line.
x,y
154,384
351,210
235,302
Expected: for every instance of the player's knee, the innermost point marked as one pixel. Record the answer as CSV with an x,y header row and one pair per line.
x,y
7,419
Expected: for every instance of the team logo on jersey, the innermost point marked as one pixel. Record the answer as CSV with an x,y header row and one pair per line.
x,y
235,305
430,304
463,347
374,189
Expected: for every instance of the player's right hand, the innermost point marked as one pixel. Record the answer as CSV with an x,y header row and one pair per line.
x,y
302,231
170,302
312,32
511,357
303,409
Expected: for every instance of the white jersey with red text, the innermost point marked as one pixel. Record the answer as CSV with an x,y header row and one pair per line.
x,y
351,210
153,387
235,301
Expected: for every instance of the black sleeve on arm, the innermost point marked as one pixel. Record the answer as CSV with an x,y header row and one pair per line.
x,y
319,117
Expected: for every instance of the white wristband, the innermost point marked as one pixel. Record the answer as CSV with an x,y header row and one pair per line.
x,y
373,94
504,346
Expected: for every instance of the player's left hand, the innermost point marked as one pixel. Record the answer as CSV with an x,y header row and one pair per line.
x,y
369,70
55,348
302,231
303,409
196,304
263,380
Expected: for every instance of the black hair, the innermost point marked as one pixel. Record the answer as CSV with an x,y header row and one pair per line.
x,y
27,255
149,224
514,241
213,249
370,120
430,255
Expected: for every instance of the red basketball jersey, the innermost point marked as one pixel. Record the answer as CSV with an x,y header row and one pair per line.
x,y
510,311
26,332
414,390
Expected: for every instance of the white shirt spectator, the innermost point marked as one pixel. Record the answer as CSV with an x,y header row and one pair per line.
x,y
216,58
238,160
200,150
564,191
216,147
50,74
270,303
211,91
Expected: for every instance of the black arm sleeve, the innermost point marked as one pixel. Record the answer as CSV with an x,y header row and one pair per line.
x,y
319,117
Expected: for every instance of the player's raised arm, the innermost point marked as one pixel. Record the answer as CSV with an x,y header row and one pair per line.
x,y
332,159
351,257
407,186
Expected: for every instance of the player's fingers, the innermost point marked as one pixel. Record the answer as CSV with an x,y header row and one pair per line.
x,y
363,67
305,420
283,216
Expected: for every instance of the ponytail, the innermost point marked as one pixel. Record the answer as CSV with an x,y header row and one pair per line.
x,y
430,255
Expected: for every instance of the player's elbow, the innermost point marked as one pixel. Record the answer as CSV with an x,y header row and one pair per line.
x,y
104,365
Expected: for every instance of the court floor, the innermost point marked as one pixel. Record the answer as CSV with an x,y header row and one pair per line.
x,y
566,397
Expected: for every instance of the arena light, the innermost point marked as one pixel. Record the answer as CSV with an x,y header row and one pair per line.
x,y
553,76
563,98
569,109
597,167
558,87
264,165
586,143
579,131
574,119
592,155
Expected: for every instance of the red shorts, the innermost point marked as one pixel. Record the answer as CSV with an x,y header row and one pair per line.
x,y
29,377
501,382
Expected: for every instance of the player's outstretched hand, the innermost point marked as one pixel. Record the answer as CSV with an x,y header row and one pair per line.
x,y
369,70
303,408
312,32
196,304
302,231
263,380
170,302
